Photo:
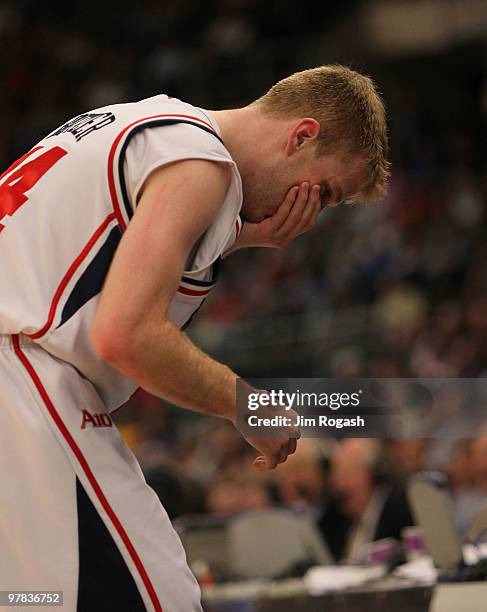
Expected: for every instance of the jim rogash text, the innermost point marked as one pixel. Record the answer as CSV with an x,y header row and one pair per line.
x,y
306,421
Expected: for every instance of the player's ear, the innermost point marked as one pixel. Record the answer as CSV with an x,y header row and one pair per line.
x,y
304,131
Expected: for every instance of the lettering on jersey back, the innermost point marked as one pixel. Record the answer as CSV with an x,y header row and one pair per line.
x,y
84,124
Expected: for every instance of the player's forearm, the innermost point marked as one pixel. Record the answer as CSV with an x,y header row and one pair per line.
x,y
161,359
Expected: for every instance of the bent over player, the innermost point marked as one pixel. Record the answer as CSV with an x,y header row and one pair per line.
x,y
111,233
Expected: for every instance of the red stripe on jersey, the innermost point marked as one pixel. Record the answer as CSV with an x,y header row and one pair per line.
x,y
187,291
69,275
88,473
111,156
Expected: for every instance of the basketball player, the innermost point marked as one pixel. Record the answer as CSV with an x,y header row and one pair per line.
x,y
111,233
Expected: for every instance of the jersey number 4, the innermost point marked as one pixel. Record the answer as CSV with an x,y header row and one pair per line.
x,y
22,176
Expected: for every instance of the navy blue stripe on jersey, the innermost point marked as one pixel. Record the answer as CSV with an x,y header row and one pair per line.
x,y
135,130
91,281
193,315
197,283
210,283
104,580
215,272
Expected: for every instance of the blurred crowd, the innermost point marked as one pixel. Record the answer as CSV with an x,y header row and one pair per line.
x,y
60,59
353,489
417,262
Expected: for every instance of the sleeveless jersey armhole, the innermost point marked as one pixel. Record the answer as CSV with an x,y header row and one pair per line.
x,y
161,142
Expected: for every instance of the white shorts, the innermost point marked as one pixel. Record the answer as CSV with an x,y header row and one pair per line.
x,y
76,514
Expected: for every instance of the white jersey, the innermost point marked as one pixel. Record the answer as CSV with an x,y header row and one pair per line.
x,y
64,207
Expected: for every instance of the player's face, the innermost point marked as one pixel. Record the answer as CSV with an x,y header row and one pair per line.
x,y
265,190
339,178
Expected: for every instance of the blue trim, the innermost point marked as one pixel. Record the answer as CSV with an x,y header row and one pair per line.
x,y
196,282
215,273
215,269
131,134
90,283
104,580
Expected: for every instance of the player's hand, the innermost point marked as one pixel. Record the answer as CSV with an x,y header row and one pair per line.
x,y
281,441
297,214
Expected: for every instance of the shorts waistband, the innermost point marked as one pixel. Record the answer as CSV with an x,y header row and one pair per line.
x,y
6,341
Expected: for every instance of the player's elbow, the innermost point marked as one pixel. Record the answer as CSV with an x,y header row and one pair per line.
x,y
111,342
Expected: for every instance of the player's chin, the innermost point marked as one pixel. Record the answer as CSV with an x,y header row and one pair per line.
x,y
254,217
251,214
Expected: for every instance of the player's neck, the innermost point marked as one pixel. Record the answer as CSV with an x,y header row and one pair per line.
x,y
241,129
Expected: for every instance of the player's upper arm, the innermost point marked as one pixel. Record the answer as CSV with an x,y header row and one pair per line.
x,y
177,204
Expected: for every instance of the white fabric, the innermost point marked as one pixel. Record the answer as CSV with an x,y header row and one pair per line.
x,y
72,214
77,206
319,580
159,146
38,469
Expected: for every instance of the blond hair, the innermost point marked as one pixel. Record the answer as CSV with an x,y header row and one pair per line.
x,y
350,112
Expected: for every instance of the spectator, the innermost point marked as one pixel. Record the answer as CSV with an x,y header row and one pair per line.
x,y
369,494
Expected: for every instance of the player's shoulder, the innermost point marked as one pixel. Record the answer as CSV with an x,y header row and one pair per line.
x,y
161,109
185,117
128,118
180,128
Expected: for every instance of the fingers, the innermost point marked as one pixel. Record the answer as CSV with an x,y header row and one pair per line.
x,y
297,214
312,210
260,463
303,213
298,207
293,443
287,446
316,212
284,209
264,462
283,453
